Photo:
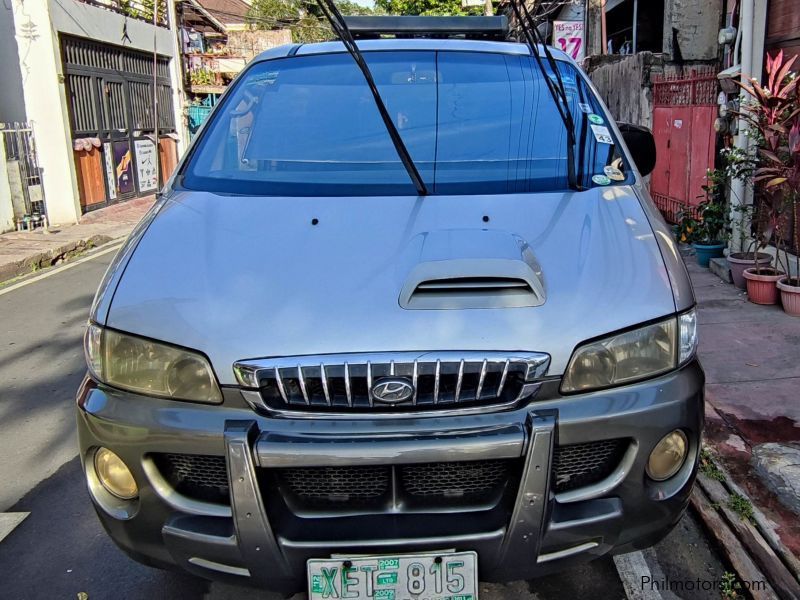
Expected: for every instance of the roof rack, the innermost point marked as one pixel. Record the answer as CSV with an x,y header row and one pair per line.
x,y
491,28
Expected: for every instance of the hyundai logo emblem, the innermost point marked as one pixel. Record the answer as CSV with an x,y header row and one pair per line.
x,y
392,390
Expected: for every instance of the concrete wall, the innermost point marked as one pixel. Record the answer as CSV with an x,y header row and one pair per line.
x,y
624,84
45,102
698,24
84,20
6,206
12,102
572,11
250,43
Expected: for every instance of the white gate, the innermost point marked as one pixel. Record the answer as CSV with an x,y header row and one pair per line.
x,y
24,175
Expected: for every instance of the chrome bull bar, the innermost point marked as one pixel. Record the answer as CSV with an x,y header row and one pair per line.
x,y
247,449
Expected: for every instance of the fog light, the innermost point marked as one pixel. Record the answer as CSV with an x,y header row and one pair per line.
x,y
114,475
668,456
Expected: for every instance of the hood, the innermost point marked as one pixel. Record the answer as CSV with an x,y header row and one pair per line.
x,y
250,277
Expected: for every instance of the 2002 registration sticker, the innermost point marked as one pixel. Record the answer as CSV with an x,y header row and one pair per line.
x,y
434,576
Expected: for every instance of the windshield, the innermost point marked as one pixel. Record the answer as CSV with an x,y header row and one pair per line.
x,y
473,122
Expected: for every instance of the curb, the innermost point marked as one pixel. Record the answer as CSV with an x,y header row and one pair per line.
x,y
746,539
52,257
720,268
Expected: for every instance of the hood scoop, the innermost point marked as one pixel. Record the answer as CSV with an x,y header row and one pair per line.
x,y
463,269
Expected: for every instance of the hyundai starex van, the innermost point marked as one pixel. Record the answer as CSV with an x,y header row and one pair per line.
x,y
307,370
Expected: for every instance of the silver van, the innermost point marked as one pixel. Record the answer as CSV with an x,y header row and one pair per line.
x,y
310,369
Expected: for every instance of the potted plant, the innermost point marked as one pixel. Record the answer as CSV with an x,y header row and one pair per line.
x,y
740,164
739,261
789,286
774,118
750,258
704,228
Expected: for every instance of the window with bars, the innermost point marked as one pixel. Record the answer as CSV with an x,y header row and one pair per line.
x,y
110,89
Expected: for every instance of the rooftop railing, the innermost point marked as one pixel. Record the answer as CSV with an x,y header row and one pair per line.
x,y
141,10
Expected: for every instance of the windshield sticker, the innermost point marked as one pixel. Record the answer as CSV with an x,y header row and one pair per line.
x,y
268,78
602,135
566,78
613,173
596,119
601,179
587,108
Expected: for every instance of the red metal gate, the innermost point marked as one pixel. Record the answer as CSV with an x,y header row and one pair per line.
x,y
685,107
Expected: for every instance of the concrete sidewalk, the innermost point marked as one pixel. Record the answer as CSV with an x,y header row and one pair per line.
x,y
22,252
751,356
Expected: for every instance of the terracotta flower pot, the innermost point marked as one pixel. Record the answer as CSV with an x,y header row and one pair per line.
x,y
761,287
790,295
739,261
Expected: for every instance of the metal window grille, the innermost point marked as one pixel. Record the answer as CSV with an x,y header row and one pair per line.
x,y
110,88
698,88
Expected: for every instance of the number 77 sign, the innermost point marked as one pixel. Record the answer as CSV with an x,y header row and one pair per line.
x,y
568,36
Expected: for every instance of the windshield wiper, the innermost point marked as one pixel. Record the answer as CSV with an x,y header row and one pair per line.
x,y
341,29
557,91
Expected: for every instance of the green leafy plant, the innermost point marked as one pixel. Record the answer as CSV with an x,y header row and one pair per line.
x,y
729,586
302,17
202,77
707,222
688,227
708,467
428,7
741,506
143,9
773,114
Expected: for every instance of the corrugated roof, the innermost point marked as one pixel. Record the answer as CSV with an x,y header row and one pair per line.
x,y
228,12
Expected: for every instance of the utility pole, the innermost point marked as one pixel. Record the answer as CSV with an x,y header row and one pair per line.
x,y
595,34
155,90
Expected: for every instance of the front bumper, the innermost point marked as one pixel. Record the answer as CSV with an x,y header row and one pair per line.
x,y
535,532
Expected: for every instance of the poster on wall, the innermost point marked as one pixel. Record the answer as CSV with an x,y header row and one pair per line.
x,y
108,158
568,36
123,169
146,165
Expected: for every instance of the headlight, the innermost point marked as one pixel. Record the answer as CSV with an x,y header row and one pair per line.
x,y
632,355
668,456
687,323
114,475
146,367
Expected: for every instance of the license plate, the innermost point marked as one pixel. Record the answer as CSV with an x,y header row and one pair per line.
x,y
434,576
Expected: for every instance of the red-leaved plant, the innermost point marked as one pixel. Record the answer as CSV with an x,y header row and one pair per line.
x,y
774,117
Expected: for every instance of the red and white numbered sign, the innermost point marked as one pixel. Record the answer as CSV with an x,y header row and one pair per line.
x,y
568,36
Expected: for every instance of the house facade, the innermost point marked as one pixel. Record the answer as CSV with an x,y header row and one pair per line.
x,y
93,98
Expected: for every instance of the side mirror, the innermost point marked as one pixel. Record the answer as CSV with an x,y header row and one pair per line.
x,y
641,144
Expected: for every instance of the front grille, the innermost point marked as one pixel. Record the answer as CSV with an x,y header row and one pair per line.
x,y
430,484
204,477
197,476
337,484
578,465
346,383
453,479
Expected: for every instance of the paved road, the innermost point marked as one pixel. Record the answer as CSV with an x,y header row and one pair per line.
x,y
59,549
